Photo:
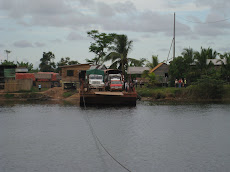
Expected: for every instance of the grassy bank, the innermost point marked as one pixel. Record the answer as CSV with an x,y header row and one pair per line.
x,y
189,93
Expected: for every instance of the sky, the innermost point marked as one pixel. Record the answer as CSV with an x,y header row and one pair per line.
x,y
30,27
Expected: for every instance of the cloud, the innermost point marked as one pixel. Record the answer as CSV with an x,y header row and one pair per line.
x,y
2,45
56,41
121,16
23,44
213,28
39,44
74,36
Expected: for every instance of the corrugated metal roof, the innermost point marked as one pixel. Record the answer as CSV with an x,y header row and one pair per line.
x,y
156,67
74,65
136,70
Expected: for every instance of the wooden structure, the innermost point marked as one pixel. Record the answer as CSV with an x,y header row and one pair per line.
x,y
6,72
161,72
12,85
72,74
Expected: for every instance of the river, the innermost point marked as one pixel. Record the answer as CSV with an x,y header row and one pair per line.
x,y
56,137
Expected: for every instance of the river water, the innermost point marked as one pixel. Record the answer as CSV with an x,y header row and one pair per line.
x,y
56,137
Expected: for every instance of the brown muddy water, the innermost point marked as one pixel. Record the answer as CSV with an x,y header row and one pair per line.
x,y
56,137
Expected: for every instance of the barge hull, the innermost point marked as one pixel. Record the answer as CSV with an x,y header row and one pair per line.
x,y
93,99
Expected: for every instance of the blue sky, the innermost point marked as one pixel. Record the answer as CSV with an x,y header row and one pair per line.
x,y
30,27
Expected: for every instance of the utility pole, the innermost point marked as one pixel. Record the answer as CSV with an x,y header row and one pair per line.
x,y
174,40
7,52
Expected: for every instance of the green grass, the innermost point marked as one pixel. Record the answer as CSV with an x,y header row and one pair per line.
x,y
159,92
172,92
68,94
8,96
33,90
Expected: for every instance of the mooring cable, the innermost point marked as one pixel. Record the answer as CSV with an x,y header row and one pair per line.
x,y
95,135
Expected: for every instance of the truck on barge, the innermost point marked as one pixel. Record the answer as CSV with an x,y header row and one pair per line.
x,y
121,97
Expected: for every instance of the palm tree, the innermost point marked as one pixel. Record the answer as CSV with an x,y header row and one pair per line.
x,y
188,55
153,63
137,63
225,68
202,58
119,53
94,61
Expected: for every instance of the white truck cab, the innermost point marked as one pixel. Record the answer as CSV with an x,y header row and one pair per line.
x,y
96,81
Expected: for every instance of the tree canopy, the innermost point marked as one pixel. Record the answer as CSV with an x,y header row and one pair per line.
x,y
47,62
102,42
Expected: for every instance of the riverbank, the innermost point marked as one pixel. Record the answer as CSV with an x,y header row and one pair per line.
x,y
56,93
190,93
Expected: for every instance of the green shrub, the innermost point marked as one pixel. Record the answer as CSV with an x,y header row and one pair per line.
x,y
208,88
68,94
8,96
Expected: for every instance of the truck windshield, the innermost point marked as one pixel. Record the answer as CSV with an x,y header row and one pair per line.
x,y
95,77
115,82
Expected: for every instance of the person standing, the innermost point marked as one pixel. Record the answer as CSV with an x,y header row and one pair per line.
x,y
176,83
39,87
185,82
141,83
180,83
136,82
126,86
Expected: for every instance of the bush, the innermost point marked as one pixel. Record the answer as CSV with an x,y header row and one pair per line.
x,y
68,94
208,88
8,96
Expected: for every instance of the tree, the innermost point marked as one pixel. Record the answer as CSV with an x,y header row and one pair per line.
x,y
101,43
6,62
28,65
119,53
137,63
202,57
47,62
225,68
65,61
154,62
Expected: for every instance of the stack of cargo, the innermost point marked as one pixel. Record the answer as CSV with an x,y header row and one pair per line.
x,y
25,76
47,79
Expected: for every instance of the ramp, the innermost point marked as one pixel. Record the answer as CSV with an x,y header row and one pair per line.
x,y
109,93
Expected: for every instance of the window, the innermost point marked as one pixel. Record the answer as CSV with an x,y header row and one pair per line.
x,y
69,72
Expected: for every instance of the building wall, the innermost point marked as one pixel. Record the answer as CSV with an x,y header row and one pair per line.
x,y
12,85
44,84
162,70
160,73
75,78
76,69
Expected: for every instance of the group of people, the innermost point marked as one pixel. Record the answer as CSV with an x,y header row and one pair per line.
x,y
181,83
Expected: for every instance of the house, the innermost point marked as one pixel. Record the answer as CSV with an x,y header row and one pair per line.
x,y
7,72
72,74
138,71
47,79
161,72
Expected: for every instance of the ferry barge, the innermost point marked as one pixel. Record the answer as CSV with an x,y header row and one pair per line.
x,y
108,98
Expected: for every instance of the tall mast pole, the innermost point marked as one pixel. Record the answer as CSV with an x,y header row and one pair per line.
x,y
174,40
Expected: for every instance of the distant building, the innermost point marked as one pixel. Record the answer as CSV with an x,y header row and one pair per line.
x,y
7,72
71,75
161,72
138,71
21,70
